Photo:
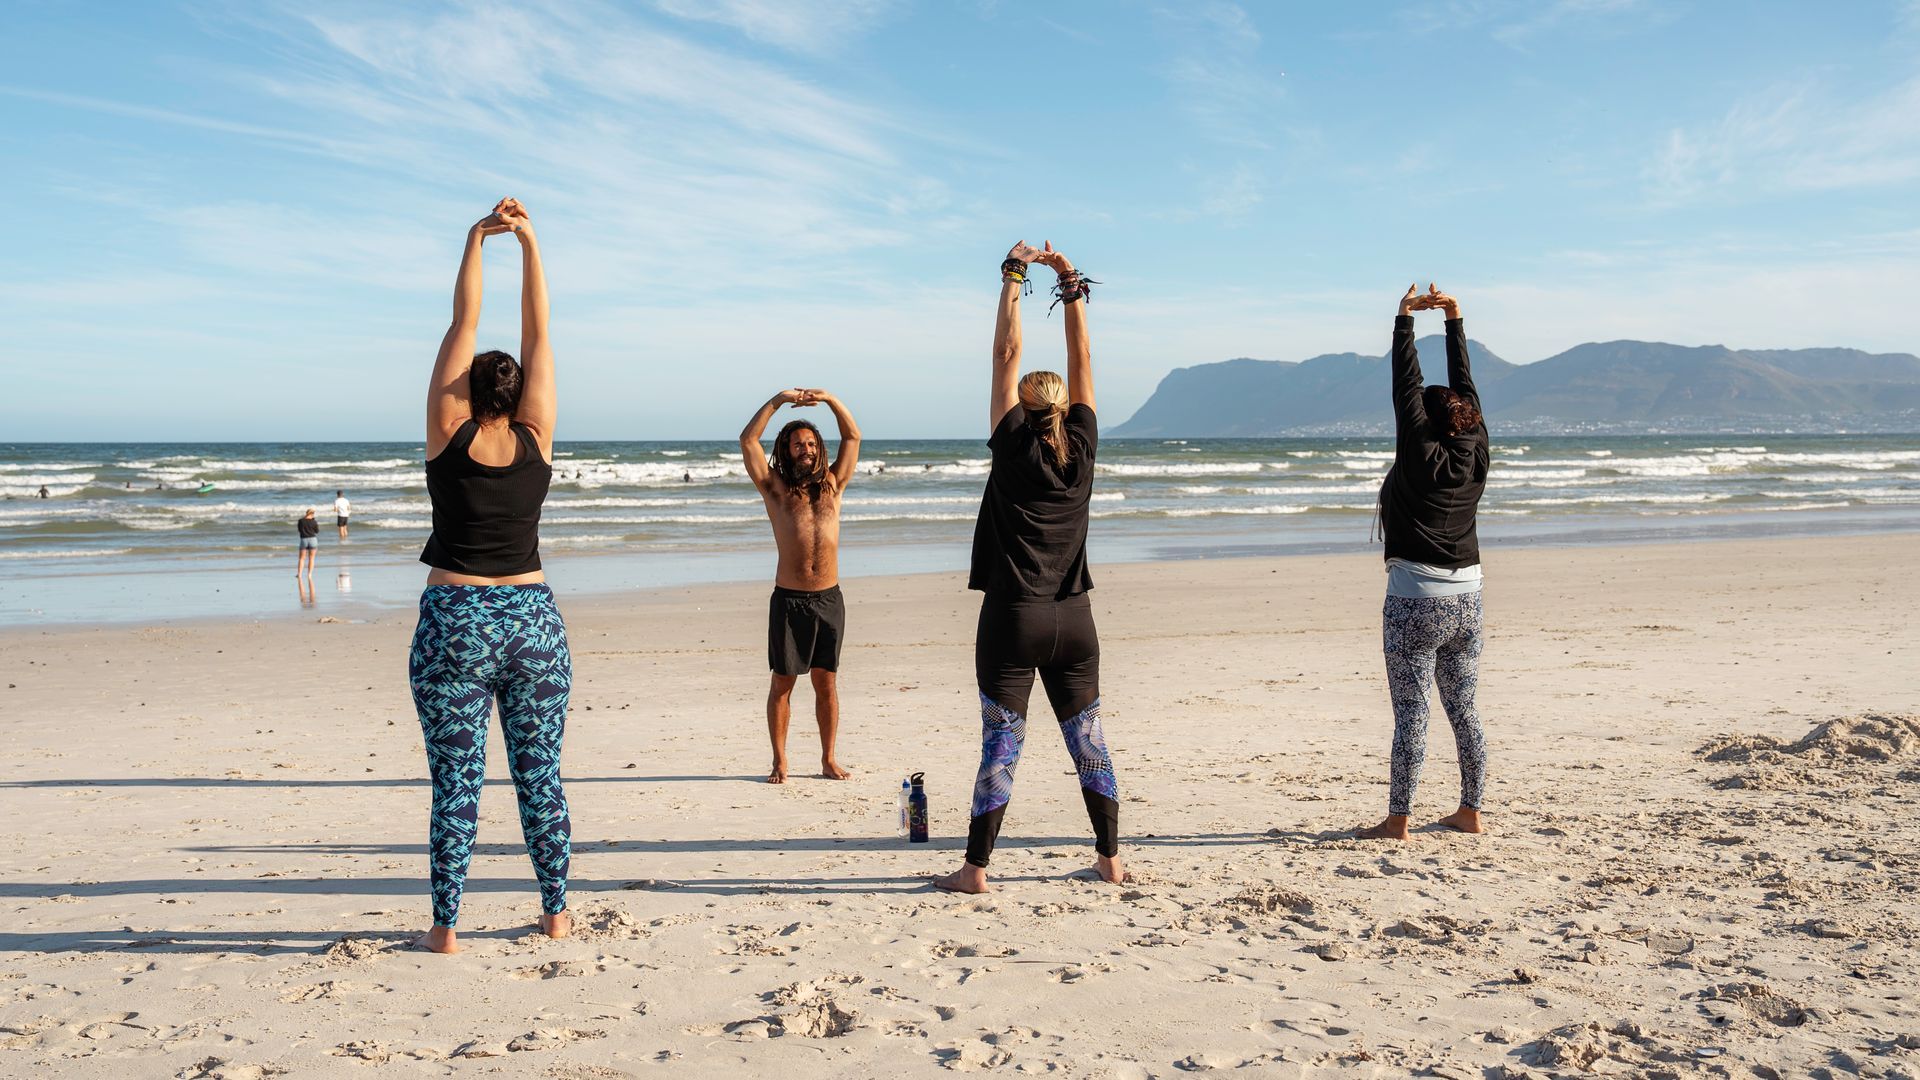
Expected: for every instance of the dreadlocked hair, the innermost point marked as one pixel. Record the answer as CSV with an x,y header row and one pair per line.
x,y
1043,394
784,467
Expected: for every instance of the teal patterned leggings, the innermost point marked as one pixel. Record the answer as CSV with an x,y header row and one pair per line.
x,y
476,644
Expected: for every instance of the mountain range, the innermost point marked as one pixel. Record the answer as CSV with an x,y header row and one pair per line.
x,y
1618,386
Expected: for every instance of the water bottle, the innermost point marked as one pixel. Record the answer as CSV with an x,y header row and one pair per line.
x,y
906,792
916,809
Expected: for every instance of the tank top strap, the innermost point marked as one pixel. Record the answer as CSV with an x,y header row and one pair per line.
x,y
463,437
527,441
456,448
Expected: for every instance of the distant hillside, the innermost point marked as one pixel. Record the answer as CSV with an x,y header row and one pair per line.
x,y
1621,386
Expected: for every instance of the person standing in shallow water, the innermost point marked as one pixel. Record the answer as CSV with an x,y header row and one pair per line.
x,y
807,616
1030,559
1431,625
309,529
489,628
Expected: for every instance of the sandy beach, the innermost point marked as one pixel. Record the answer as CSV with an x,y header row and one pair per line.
x,y
1702,857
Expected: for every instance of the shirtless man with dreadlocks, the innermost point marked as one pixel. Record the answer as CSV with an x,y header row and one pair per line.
x,y
808,617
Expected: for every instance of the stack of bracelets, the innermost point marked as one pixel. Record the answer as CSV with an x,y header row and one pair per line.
x,y
1014,271
1073,285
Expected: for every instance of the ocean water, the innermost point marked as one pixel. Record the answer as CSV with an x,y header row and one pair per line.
x,y
125,531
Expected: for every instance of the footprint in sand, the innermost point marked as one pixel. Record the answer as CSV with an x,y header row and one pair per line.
x,y
552,1038
371,1051
215,1068
904,1029
806,990
43,991
943,950
560,969
131,971
991,1050
747,941
331,989
1074,973
479,1048
50,1031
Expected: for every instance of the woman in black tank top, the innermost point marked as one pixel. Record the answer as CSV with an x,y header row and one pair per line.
x,y
488,625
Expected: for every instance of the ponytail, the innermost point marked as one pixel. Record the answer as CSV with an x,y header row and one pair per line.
x,y
1053,432
1043,394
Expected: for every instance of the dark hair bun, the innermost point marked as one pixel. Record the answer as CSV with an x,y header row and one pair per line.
x,y
493,385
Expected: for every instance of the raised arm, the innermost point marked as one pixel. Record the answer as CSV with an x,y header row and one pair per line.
x,y
1459,372
1409,413
848,454
539,400
750,449
1006,334
447,403
1072,291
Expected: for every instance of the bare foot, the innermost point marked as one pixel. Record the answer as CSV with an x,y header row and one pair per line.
x,y
968,879
1108,867
779,773
831,769
1394,828
1465,819
440,939
556,926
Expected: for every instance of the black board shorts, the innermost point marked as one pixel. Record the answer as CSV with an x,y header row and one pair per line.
x,y
804,630
339,522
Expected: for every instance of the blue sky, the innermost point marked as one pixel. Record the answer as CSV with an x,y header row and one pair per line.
x,y
242,220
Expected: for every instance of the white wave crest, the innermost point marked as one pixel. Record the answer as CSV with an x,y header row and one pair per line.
x,y
1198,468
66,553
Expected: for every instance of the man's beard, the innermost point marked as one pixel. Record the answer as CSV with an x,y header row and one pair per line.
x,y
805,474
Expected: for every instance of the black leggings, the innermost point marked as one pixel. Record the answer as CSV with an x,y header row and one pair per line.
x,y
1057,637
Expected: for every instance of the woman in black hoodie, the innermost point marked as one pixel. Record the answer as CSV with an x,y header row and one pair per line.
x,y
1428,505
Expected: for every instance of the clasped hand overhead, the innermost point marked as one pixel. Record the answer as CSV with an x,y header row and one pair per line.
x,y
1415,300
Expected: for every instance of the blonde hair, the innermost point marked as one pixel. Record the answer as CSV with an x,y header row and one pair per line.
x,y
1044,395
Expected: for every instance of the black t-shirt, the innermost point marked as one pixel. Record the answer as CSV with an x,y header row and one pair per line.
x,y
1031,539
309,526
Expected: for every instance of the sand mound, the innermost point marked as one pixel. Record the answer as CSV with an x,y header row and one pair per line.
x,y
356,949
606,922
1270,900
1761,1003
1841,747
819,1017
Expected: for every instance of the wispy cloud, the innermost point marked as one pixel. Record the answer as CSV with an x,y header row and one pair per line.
x,y
1220,77
669,153
820,26
1234,97
285,136
1792,138
1518,24
1585,15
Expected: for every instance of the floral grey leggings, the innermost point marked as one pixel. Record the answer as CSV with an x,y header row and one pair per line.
x,y
1431,639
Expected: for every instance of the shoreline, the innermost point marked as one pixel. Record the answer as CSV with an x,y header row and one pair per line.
x,y
384,585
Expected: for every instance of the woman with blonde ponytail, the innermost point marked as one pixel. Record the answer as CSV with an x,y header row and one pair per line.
x,y
1043,394
1030,559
